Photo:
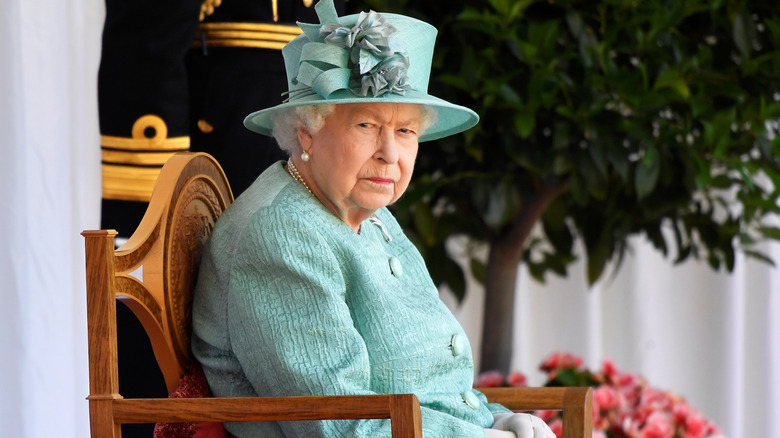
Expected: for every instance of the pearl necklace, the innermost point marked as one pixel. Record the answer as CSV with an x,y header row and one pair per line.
x,y
293,171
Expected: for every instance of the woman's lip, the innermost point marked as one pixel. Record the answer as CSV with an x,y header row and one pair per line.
x,y
380,180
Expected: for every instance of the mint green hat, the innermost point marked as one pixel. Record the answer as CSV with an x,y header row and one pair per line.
x,y
361,58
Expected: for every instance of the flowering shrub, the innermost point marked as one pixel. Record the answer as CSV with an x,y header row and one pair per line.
x,y
624,405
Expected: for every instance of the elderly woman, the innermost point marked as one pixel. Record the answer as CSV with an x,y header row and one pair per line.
x,y
308,286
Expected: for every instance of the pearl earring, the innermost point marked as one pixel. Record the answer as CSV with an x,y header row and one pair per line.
x,y
305,156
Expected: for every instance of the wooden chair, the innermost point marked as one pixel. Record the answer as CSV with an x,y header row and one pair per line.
x,y
154,273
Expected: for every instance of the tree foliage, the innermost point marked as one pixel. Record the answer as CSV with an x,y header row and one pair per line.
x,y
600,120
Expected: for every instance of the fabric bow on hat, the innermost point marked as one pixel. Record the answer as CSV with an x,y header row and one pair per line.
x,y
358,59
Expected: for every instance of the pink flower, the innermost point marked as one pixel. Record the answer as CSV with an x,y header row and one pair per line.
x,y
547,416
627,380
606,398
658,425
558,361
629,426
681,412
609,369
517,379
556,426
490,379
713,430
695,426
601,423
624,405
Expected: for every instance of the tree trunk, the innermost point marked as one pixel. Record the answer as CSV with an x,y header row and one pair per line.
x,y
500,285
506,253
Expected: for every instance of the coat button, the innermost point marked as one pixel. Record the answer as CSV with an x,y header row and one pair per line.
x,y
396,268
470,399
457,344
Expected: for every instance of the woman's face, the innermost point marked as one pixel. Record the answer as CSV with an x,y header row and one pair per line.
x,y
362,158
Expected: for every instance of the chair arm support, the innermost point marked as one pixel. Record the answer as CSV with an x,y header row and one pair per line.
x,y
576,404
403,410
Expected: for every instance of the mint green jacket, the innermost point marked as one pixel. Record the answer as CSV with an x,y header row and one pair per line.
x,y
291,301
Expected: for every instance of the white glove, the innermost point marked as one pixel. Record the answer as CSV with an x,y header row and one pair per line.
x,y
494,433
523,425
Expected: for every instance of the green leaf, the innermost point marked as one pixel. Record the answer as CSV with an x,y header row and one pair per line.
x,y
673,80
771,232
598,257
729,257
470,13
425,224
509,94
567,377
657,238
524,123
647,172
478,270
578,189
556,229
454,278
598,154
759,256
683,254
744,33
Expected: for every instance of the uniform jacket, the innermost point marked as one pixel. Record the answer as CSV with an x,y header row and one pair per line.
x,y
291,301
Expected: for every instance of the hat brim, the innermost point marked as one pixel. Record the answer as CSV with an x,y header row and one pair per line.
x,y
451,118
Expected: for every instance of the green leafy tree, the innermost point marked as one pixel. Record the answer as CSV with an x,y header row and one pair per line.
x,y
599,120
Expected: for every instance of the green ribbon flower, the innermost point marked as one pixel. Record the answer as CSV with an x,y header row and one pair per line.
x,y
389,76
358,58
369,34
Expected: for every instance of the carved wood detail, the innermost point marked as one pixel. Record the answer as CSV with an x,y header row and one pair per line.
x,y
196,211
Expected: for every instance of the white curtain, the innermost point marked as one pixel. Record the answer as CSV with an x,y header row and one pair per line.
x,y
713,338
49,174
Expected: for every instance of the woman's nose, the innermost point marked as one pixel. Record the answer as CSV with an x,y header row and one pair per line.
x,y
388,149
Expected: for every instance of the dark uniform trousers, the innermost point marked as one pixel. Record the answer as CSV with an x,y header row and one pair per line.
x,y
176,76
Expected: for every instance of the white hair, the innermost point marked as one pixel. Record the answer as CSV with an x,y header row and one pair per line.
x,y
286,124
312,118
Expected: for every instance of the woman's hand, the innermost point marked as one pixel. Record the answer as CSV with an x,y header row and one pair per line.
x,y
523,425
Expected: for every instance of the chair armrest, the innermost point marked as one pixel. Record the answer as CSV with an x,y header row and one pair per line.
x,y
575,403
403,410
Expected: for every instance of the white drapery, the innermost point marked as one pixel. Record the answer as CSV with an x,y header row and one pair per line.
x,y
49,172
712,338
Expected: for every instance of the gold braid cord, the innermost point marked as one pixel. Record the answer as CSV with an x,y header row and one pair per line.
x,y
255,35
208,6
131,164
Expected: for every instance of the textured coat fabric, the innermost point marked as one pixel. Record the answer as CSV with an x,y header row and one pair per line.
x,y
291,301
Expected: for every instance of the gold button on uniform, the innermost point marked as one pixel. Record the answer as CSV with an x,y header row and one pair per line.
x,y
205,127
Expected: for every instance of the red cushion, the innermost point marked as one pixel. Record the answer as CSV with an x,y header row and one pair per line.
x,y
192,384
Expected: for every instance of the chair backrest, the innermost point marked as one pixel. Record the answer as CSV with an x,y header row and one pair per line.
x,y
155,271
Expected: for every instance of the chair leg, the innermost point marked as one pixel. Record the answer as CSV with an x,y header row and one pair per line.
x,y
405,416
577,413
